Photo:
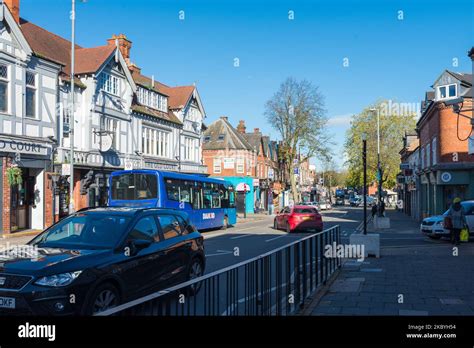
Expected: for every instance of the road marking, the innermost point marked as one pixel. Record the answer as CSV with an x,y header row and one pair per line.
x,y
269,240
242,236
219,252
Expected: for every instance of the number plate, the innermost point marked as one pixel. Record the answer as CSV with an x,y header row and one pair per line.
x,y
306,217
7,302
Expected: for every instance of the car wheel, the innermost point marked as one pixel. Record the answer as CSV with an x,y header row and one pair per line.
x,y
275,224
104,297
434,236
225,224
196,270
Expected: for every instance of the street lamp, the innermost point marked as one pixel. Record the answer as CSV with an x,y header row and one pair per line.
x,y
379,169
71,119
364,158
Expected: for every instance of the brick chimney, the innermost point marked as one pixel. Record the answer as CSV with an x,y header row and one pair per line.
x,y
14,7
256,130
124,44
241,127
135,70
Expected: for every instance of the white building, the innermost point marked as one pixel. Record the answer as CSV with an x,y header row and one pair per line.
x,y
122,120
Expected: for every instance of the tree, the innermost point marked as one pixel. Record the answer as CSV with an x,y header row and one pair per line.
x,y
393,127
297,112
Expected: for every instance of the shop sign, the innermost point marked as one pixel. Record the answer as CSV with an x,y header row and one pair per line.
x,y
65,169
271,173
446,177
24,147
242,187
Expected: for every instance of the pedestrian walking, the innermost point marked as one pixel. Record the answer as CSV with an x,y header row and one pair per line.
x,y
374,211
382,208
456,220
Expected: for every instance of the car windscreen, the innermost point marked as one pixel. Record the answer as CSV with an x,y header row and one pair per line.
x,y
468,208
84,231
134,186
304,210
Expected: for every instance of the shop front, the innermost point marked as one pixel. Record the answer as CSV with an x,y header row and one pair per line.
x,y
25,183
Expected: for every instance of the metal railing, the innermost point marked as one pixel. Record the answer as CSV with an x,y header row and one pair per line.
x,y
275,283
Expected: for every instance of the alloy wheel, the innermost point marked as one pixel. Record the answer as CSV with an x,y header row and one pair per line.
x,y
106,299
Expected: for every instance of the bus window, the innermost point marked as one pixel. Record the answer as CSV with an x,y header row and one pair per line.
x,y
207,196
231,198
196,193
134,187
172,189
216,196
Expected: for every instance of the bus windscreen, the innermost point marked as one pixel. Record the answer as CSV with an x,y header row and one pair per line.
x,y
134,186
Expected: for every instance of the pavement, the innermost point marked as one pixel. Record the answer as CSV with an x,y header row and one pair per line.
x,y
414,276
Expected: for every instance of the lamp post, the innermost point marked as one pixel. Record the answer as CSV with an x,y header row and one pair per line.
x,y
71,119
364,158
379,169
471,55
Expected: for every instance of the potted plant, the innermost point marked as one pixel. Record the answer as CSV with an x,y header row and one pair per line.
x,y
14,176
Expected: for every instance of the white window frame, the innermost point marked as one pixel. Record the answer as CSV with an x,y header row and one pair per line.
x,y
217,166
438,91
155,142
109,83
35,89
7,81
240,167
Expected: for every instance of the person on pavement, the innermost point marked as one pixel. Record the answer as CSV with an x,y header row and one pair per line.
x,y
374,211
458,220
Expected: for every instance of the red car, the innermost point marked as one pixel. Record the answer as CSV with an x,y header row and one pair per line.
x,y
299,217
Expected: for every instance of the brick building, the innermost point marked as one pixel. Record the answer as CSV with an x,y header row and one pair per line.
x,y
227,153
446,152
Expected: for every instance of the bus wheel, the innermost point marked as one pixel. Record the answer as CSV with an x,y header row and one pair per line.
x,y
225,224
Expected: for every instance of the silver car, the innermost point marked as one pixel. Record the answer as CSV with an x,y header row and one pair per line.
x,y
433,226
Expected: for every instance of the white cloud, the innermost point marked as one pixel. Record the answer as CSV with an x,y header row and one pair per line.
x,y
341,120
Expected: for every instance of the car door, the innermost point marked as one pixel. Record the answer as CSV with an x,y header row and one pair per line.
x,y
142,272
280,217
177,249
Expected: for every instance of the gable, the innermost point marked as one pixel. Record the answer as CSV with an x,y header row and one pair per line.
x,y
12,41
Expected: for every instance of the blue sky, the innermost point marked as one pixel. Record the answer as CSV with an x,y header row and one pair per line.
x,y
388,58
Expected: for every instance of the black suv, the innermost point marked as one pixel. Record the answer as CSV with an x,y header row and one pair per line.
x,y
98,258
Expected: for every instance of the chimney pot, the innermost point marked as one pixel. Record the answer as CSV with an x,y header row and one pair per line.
x,y
124,44
241,127
256,130
224,118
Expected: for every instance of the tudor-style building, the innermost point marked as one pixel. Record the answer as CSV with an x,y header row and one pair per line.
x,y
122,120
28,97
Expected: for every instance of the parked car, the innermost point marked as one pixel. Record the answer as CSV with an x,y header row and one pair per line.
x,y
313,204
104,256
325,205
340,200
299,217
433,226
354,201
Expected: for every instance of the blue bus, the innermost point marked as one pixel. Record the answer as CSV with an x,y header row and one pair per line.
x,y
209,202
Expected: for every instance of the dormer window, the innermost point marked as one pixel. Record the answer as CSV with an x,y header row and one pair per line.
x,y
221,137
447,91
152,99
